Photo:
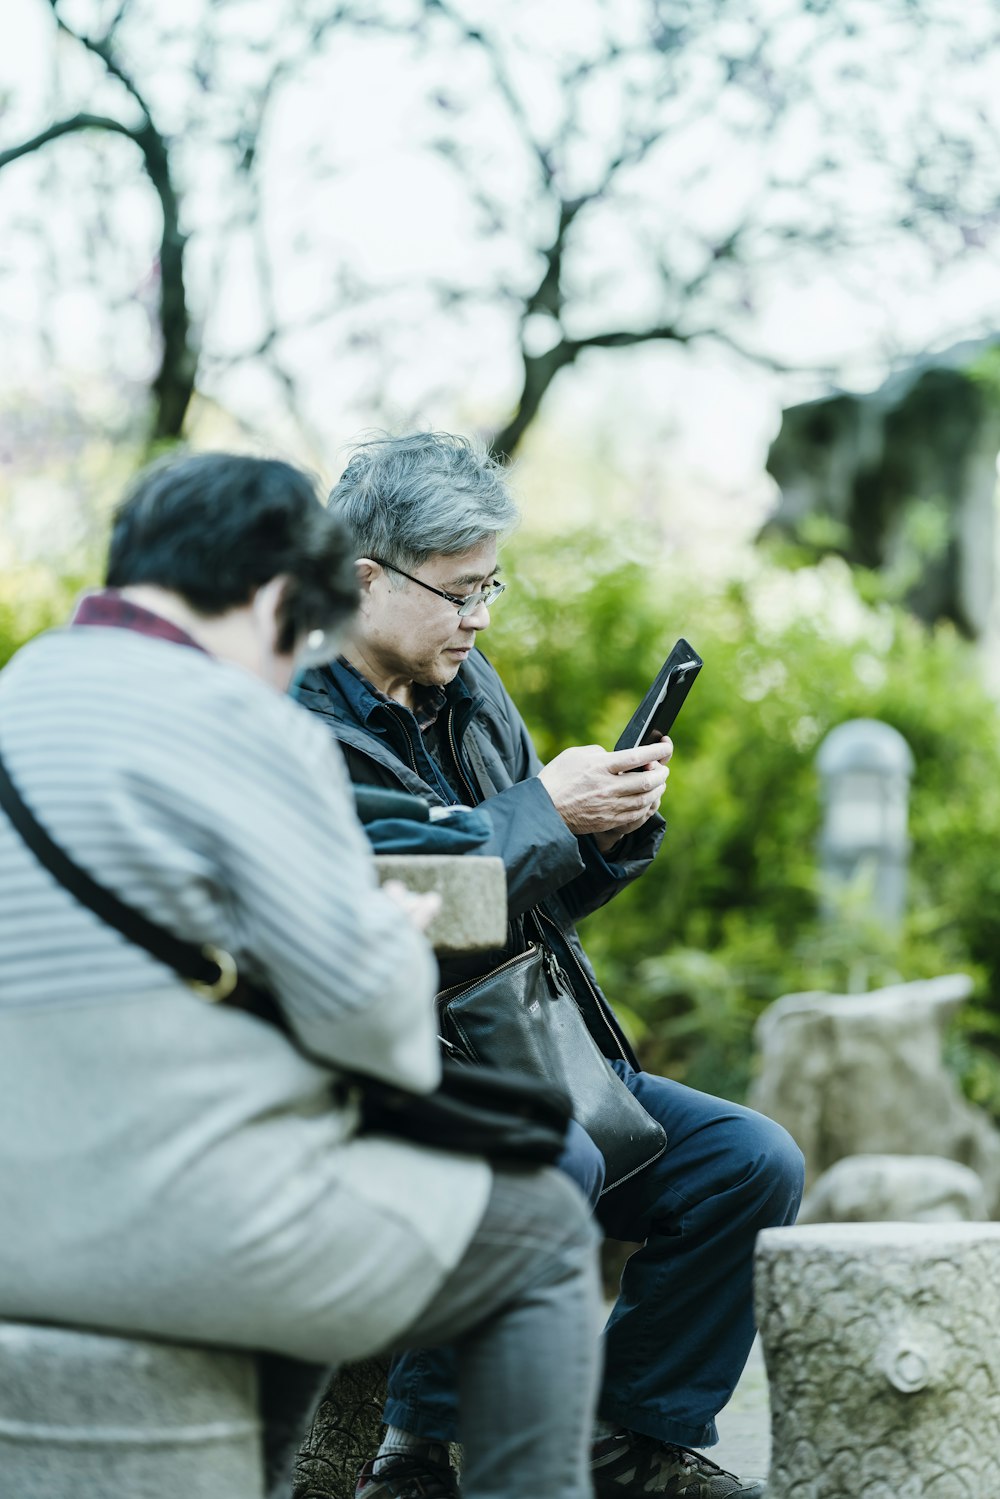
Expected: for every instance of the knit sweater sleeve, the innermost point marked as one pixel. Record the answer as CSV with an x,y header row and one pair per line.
x,y
354,978
221,810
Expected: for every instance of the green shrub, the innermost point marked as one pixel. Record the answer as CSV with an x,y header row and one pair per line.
x,y
726,920
32,599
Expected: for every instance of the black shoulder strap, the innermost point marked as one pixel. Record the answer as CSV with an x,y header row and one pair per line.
x,y
208,969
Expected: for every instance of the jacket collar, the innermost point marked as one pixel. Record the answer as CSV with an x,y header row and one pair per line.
x,y
363,722
340,693
363,697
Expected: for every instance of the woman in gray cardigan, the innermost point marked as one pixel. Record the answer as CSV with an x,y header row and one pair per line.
x,y
176,1168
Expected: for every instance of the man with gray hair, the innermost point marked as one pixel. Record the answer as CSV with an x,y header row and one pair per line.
x,y
417,707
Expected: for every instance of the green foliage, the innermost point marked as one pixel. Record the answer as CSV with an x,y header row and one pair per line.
x,y
985,371
726,920
32,599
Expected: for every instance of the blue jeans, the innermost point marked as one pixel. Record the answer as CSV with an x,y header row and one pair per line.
x,y
681,1329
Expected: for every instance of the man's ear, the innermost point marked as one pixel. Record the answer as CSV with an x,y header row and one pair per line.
x,y
367,572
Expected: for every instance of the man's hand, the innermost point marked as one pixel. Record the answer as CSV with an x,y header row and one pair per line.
x,y
607,793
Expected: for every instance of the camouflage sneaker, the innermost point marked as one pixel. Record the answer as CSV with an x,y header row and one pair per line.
x,y
407,1477
630,1466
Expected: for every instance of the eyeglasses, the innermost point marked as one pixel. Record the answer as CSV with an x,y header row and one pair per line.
x,y
466,604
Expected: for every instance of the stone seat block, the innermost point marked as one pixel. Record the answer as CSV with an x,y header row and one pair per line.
x,y
473,914
88,1415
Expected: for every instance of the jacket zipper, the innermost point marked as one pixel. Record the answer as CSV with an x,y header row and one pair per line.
x,y
458,764
409,746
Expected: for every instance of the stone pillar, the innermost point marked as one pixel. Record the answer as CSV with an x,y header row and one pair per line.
x,y
883,1359
473,918
865,768
895,1189
88,1416
851,1074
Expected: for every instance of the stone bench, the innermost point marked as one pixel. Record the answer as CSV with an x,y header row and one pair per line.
x,y
90,1416
882,1346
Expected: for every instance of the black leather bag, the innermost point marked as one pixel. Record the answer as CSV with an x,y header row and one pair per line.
x,y
474,1110
501,1115
523,1016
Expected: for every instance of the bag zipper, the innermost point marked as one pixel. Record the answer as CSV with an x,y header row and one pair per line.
x,y
551,965
613,1186
461,990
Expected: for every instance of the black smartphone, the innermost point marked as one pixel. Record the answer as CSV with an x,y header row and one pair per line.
x,y
656,713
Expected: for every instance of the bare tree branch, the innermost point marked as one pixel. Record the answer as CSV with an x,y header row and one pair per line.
x,y
173,384
504,84
71,126
103,48
541,370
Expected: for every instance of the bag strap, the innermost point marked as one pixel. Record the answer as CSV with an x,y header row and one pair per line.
x,y
209,970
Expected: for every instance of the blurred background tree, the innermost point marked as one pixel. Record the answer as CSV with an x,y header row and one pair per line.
x,y
611,175
616,237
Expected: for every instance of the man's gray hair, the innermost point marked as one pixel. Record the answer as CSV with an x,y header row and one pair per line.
x,y
423,495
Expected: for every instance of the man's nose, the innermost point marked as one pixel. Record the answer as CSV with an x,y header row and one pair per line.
x,y
478,618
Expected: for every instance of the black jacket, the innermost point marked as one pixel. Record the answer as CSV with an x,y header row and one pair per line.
x,y
482,745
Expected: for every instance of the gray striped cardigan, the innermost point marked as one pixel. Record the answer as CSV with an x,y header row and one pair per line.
x,y
165,1165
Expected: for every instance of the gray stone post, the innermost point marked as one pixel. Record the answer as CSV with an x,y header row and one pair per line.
x,y
861,1074
883,1359
865,768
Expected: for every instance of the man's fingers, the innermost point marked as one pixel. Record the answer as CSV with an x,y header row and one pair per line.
x,y
641,783
639,754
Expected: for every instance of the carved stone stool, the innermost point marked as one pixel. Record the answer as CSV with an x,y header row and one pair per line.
x,y
345,1432
89,1416
882,1345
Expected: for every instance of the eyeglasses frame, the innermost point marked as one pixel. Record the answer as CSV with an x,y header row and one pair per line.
x,y
465,606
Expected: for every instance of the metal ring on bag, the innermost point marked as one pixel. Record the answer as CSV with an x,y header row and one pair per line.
x,y
223,986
